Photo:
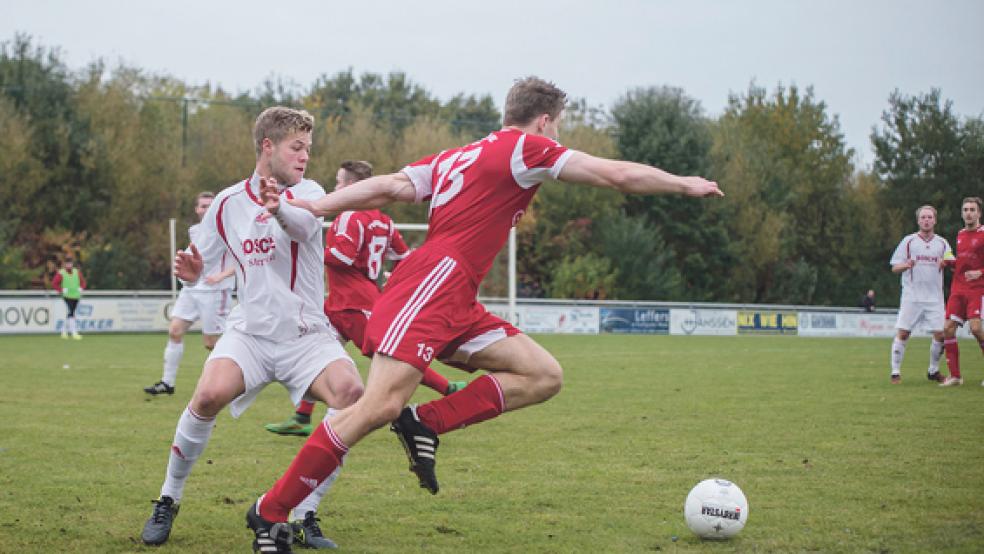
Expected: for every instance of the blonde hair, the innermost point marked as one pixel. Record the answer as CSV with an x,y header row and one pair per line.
x,y
926,207
278,122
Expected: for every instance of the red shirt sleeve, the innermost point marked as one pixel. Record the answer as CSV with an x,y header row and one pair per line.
x,y
345,239
56,282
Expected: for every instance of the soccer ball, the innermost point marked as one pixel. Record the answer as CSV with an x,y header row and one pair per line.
x,y
716,509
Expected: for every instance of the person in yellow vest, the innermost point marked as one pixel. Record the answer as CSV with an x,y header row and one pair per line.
x,y
70,284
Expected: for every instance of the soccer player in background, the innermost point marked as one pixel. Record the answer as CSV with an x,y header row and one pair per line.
x,y
920,258
357,244
209,300
966,289
429,307
278,331
70,283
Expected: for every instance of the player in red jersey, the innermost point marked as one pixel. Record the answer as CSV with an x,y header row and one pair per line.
x,y
966,289
429,309
358,243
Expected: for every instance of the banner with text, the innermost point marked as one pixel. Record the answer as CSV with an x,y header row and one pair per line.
x,y
756,322
703,322
93,315
652,321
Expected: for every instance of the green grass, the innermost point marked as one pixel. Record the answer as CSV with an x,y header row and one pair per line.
x,y
831,456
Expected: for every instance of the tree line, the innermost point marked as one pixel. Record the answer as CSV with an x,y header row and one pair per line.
x,y
94,162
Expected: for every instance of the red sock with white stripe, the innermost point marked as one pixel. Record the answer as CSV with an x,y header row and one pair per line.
x,y
952,356
317,460
305,408
480,400
435,381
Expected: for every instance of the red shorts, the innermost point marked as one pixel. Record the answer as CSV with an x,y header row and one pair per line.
x,y
351,324
963,306
429,310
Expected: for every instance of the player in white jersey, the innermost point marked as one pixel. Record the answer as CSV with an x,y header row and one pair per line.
x,y
278,331
920,259
208,300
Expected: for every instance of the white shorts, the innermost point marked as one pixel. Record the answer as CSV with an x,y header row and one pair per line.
x,y
212,307
911,314
294,363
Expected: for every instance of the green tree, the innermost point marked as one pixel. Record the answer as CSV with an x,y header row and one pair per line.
x,y
925,154
786,170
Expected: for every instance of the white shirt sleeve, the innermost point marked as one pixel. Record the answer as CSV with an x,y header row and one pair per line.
x,y
298,223
900,254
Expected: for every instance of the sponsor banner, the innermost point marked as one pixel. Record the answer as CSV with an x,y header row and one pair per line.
x,y
764,322
550,319
635,320
825,324
30,315
703,322
92,315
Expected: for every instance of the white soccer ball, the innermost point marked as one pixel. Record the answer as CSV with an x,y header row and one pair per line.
x,y
716,509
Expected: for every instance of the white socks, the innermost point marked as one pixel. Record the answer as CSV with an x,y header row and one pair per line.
x,y
935,352
311,502
190,438
172,358
898,353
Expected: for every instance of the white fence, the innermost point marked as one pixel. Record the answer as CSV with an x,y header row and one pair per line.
x,y
23,312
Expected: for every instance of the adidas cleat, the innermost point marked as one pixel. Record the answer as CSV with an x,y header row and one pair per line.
x,y
420,444
307,533
159,387
272,538
158,527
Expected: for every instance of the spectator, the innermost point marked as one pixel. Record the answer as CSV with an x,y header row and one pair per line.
x,y
868,301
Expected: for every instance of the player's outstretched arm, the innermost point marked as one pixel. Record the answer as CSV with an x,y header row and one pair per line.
x,y
633,178
367,194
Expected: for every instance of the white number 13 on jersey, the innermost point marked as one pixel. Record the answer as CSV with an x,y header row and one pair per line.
x,y
445,174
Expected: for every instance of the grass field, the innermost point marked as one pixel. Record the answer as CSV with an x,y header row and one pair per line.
x,y
831,456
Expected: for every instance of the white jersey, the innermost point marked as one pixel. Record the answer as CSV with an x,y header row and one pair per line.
x,y
212,266
924,281
280,275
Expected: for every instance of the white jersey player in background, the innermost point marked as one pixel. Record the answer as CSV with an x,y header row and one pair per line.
x,y
208,300
278,331
920,258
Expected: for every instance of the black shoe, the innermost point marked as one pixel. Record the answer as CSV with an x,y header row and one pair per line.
x,y
159,387
158,527
938,377
274,538
421,446
307,533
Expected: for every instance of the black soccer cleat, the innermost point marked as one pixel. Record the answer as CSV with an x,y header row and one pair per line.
x,y
420,444
272,538
158,527
938,377
159,387
307,533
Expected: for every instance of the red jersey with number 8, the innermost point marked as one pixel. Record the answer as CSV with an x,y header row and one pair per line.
x,y
357,244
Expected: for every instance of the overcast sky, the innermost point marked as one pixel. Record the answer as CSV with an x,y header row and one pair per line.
x,y
854,53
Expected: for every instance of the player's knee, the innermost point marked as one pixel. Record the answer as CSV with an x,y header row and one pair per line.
x,y
348,393
176,335
386,412
549,380
207,402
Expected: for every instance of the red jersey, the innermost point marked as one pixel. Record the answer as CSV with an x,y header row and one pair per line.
x,y
479,191
970,256
355,248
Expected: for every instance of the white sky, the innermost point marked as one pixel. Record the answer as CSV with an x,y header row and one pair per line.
x,y
854,53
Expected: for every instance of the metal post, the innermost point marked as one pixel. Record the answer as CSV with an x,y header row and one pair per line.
x,y
174,248
512,276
